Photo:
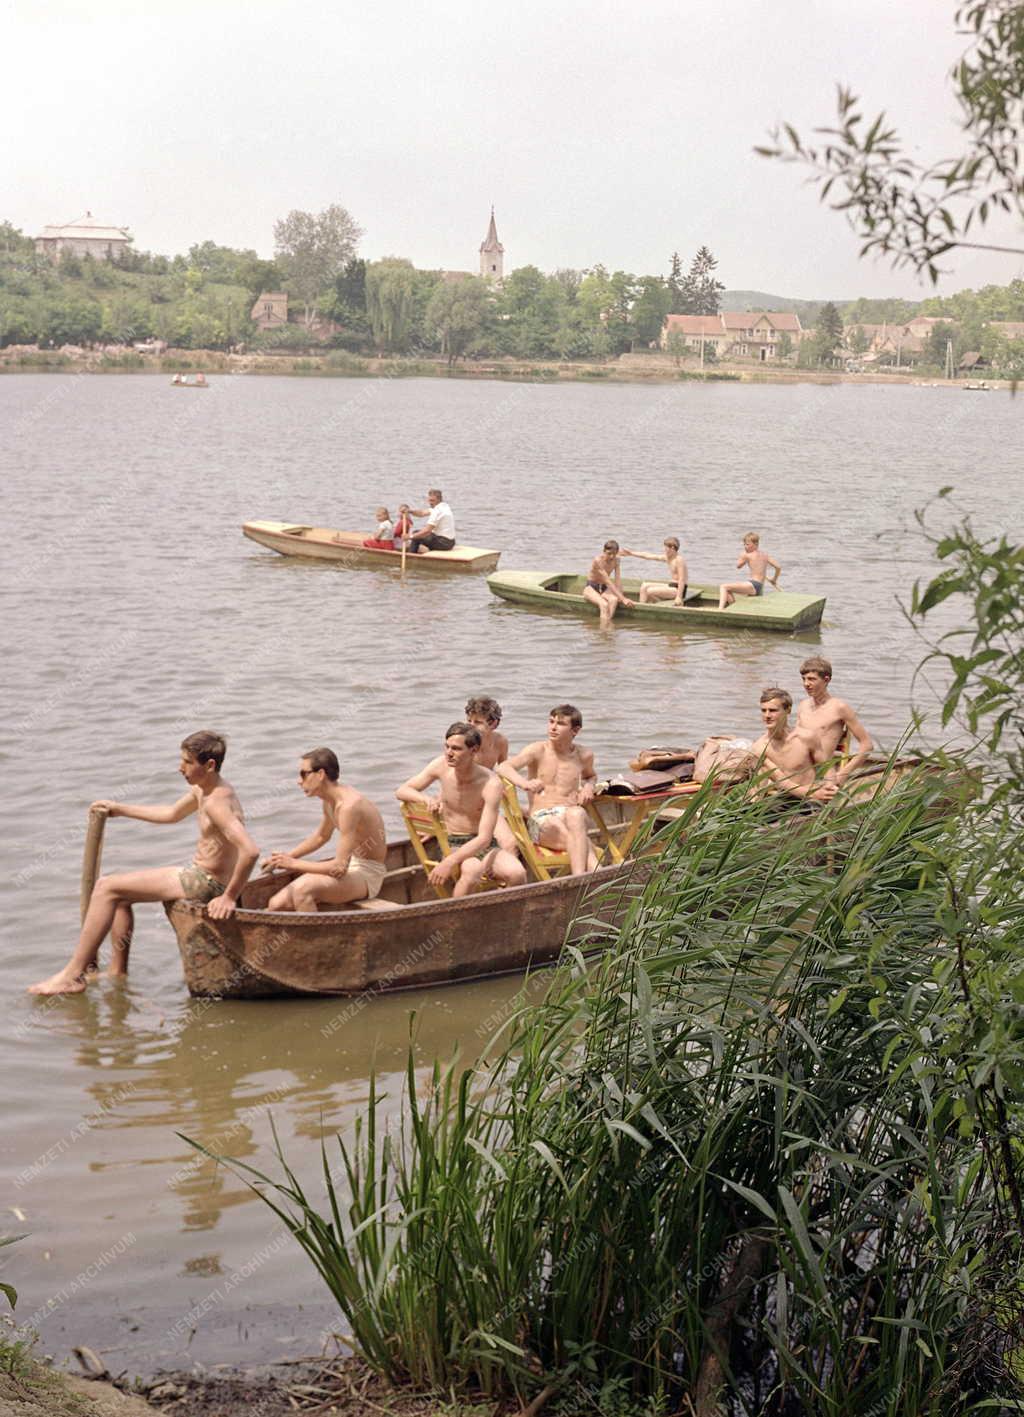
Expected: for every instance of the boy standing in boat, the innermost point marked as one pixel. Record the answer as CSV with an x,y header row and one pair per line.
x,y
757,563
604,583
470,796
651,591
560,778
357,869
439,532
831,719
225,855
789,755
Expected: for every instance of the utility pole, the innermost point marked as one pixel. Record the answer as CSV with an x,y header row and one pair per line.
x,y
949,359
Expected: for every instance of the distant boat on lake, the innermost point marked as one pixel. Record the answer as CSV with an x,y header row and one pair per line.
x,y
553,590
325,543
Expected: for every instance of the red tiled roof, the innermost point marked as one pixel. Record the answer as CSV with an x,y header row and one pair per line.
x,y
694,324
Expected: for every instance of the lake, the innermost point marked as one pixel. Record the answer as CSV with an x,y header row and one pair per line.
x,y
136,613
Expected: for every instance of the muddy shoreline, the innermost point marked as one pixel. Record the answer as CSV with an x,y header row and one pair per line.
x,y
647,368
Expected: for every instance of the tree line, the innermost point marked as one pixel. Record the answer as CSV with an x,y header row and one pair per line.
x,y
202,300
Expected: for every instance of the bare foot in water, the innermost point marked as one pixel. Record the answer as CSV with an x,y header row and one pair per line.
x,y
60,983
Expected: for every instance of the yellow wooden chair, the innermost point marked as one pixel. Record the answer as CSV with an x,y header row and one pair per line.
x,y
426,827
541,861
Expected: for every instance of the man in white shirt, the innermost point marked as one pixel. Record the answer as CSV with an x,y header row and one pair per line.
x,y
439,532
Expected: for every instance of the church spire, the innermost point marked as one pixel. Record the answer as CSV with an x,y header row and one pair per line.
x,y
492,253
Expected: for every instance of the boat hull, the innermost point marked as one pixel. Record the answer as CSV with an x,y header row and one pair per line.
x,y
259,953
776,610
324,543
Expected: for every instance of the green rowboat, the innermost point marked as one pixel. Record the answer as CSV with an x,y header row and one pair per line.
x,y
775,610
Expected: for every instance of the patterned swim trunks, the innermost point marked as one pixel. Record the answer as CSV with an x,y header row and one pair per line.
x,y
536,820
199,884
457,839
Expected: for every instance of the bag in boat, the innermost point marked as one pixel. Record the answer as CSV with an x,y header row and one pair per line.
x,y
653,758
724,759
636,784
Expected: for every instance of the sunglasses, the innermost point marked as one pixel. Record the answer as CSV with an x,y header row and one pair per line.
x,y
305,772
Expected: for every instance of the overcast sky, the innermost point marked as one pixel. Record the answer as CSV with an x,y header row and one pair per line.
x,y
602,132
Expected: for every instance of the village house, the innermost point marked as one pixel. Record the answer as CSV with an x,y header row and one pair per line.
x,y
743,334
270,311
84,237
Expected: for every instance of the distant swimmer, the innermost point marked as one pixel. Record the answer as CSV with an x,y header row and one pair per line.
x,y
675,590
789,755
225,854
357,868
439,532
832,719
757,563
604,584
468,804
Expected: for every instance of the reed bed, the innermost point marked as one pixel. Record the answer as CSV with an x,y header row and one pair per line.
x,y
749,1159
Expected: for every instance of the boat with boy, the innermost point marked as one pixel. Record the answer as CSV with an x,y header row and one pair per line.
x,y
409,937
779,610
325,543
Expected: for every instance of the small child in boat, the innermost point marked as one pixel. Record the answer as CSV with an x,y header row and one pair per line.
x,y
383,539
403,526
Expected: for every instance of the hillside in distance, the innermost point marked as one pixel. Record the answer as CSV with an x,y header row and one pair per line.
x,y
760,300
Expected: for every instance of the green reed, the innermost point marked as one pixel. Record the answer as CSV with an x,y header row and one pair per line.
x,y
750,1154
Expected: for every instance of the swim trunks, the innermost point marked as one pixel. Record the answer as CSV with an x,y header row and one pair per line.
x,y
758,587
198,884
371,873
596,585
457,839
535,822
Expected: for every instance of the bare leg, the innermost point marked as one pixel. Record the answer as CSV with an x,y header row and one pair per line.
x,y
470,875
282,899
310,891
650,592
121,933
505,866
108,893
596,597
728,592
569,833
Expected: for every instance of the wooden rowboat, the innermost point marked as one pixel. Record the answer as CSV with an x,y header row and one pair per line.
x,y
775,610
324,543
406,939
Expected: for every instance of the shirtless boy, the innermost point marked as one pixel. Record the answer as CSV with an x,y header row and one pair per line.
x,y
789,754
356,871
757,563
484,715
225,853
559,777
468,804
832,719
604,583
675,591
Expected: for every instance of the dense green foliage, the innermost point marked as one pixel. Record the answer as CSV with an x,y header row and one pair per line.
x,y
203,301
747,1149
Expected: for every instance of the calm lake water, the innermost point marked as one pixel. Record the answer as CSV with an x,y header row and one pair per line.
x,y
135,612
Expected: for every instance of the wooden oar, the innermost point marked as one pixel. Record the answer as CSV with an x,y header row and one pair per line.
x,y
92,854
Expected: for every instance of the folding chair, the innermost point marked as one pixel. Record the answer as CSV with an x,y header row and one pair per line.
x,y
541,861
424,827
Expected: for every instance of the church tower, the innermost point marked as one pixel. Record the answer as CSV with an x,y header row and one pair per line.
x,y
492,255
